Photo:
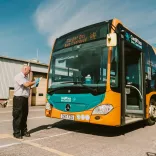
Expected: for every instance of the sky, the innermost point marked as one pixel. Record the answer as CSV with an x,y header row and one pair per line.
x,y
28,26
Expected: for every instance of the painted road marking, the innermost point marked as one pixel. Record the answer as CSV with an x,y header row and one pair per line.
x,y
49,136
37,110
3,136
8,145
48,149
39,117
30,142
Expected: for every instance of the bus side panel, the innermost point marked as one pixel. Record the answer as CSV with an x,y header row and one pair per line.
x,y
150,63
148,97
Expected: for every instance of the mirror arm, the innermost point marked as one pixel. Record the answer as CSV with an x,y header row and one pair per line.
x,y
114,28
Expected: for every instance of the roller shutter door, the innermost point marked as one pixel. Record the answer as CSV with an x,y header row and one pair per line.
x,y
39,93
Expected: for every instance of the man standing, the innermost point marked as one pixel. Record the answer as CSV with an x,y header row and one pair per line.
x,y
20,102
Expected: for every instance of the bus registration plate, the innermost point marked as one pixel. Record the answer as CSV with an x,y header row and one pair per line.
x,y
67,116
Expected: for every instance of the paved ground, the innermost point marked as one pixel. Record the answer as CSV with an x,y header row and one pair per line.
x,y
53,137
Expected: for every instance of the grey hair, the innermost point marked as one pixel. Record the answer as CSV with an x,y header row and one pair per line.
x,y
25,66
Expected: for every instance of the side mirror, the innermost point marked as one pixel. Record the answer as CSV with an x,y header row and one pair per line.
x,y
111,40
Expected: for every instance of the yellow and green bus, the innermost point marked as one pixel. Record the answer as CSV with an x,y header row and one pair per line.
x,y
102,74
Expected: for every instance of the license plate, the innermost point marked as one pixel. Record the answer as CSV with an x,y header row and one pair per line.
x,y
67,116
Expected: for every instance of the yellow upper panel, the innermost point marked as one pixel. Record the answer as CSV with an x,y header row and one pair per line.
x,y
154,49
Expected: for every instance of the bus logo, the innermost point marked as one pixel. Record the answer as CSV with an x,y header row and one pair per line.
x,y
67,107
133,40
65,99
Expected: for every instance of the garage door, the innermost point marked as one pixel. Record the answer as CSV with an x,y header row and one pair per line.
x,y
11,95
39,93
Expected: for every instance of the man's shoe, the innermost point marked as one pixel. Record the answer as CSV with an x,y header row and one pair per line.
x,y
26,134
18,136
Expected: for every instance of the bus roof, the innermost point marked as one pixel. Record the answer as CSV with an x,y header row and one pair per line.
x,y
82,28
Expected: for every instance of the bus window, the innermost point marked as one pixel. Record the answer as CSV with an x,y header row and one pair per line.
x,y
103,74
84,59
153,68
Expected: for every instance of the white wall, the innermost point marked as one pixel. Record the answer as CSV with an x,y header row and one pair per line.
x,y
39,68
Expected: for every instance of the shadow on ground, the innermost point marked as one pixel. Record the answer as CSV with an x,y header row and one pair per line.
x,y
92,129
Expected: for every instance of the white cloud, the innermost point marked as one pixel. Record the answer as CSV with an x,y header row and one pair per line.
x,y
55,18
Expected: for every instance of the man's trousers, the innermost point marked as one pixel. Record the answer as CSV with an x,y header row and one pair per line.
x,y
20,113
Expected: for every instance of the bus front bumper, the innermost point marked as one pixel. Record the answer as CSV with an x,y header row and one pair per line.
x,y
111,119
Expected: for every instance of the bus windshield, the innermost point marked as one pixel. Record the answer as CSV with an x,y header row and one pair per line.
x,y
76,62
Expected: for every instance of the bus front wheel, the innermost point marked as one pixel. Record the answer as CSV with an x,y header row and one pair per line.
x,y
152,112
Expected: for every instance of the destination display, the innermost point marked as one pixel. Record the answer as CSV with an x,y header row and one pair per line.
x,y
82,36
80,39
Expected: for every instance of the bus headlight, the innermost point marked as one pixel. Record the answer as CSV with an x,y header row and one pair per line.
x,y
103,109
48,107
48,110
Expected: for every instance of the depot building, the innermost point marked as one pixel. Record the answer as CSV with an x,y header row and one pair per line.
x,y
9,67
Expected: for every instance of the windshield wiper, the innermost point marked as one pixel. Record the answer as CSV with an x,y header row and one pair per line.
x,y
94,91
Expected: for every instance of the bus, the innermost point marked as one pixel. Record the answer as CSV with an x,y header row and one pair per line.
x,y
102,74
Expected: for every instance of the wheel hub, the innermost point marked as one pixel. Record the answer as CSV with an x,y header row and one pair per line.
x,y
152,111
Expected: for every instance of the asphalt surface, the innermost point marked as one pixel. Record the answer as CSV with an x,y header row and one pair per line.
x,y
54,137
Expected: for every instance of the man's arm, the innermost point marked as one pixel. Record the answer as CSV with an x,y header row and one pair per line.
x,y
28,84
25,83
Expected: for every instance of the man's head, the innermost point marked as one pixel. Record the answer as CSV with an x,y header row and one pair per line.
x,y
26,69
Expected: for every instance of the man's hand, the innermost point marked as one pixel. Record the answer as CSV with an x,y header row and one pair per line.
x,y
37,82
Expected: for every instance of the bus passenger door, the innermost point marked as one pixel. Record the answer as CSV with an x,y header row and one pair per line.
x,y
134,103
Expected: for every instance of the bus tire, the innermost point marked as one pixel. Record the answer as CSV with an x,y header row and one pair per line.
x,y
152,111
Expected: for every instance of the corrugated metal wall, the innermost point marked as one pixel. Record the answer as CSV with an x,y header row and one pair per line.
x,y
8,69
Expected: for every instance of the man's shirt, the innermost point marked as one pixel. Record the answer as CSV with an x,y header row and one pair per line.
x,y
19,89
